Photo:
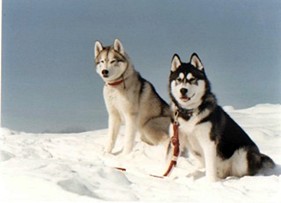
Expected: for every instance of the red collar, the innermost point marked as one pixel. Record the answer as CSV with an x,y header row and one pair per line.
x,y
118,82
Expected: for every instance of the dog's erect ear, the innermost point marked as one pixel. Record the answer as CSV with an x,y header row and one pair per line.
x,y
196,62
176,62
98,48
118,46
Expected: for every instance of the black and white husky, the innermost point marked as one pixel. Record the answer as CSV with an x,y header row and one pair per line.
x,y
131,99
206,130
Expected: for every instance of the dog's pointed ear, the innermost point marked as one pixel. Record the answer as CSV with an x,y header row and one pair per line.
x,y
118,46
98,48
176,62
196,62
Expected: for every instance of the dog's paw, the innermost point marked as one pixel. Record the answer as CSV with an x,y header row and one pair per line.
x,y
196,175
125,153
108,149
212,179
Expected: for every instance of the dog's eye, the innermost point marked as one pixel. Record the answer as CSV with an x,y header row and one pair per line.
x,y
193,81
99,62
179,80
113,61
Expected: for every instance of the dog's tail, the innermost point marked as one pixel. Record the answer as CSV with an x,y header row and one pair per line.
x,y
258,161
266,161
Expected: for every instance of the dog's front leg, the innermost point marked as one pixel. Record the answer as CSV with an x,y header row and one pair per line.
x,y
114,123
130,133
210,162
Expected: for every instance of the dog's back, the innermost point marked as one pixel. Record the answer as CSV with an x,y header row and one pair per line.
x,y
230,138
154,114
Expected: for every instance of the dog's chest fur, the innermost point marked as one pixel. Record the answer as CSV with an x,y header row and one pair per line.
x,y
196,135
121,98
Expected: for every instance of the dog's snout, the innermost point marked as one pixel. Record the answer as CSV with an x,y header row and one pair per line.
x,y
104,72
183,91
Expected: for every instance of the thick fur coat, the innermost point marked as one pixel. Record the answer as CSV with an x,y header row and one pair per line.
x,y
206,130
130,99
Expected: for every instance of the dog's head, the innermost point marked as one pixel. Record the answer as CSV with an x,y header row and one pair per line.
x,y
111,62
188,83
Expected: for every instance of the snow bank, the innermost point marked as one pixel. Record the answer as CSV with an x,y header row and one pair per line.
x,y
74,167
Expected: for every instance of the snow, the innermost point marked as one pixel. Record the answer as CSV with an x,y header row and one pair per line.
x,y
75,168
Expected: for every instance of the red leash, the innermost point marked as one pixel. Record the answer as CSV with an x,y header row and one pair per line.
x,y
119,168
176,144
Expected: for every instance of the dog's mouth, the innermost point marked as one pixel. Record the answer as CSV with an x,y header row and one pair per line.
x,y
185,98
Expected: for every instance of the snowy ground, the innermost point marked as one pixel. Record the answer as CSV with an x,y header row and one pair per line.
x,y
74,167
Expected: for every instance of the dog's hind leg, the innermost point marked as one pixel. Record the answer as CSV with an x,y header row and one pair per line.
x,y
114,123
155,131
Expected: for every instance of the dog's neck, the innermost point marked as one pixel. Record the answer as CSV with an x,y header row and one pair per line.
x,y
186,114
181,112
209,102
120,80
117,82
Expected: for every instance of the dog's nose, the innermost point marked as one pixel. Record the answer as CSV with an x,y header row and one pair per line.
x,y
104,72
183,91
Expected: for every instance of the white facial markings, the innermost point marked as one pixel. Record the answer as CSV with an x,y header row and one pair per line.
x,y
195,90
189,76
183,80
109,65
181,76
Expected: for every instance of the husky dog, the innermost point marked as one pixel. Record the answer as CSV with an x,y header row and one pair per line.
x,y
206,130
131,99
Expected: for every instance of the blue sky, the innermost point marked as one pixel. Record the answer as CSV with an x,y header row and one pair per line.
x,y
49,80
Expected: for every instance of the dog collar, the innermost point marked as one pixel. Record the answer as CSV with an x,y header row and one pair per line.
x,y
185,113
118,82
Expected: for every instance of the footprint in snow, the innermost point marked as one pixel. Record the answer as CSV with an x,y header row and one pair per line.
x,y
75,186
5,156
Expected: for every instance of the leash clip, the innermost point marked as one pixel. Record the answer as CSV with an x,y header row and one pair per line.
x,y
176,122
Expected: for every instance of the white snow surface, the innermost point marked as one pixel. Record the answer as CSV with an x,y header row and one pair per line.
x,y
75,168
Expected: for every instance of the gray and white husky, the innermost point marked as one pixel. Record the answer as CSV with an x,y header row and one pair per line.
x,y
131,99
206,130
